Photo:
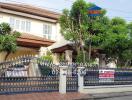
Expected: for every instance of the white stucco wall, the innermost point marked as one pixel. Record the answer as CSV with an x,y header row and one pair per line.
x,y
36,26
2,56
36,29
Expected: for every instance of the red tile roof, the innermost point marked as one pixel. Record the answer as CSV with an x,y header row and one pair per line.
x,y
30,40
30,10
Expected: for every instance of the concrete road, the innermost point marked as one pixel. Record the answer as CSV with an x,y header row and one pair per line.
x,y
119,98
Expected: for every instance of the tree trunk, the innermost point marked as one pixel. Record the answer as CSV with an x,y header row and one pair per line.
x,y
83,51
90,40
120,63
127,63
83,54
81,40
102,60
89,51
8,53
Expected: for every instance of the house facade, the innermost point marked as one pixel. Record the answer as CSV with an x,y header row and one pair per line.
x,y
39,28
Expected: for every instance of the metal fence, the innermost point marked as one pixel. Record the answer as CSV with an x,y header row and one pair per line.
x,y
96,76
28,74
31,74
28,84
72,83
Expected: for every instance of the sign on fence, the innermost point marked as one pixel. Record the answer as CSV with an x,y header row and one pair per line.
x,y
16,72
106,75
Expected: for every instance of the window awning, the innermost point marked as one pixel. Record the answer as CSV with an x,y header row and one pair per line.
x,y
29,40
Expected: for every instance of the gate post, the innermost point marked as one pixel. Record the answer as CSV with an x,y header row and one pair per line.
x,y
80,79
34,69
62,79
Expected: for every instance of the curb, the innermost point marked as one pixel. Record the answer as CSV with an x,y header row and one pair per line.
x,y
104,95
111,95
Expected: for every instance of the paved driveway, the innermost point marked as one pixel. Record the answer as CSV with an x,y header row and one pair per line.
x,y
42,96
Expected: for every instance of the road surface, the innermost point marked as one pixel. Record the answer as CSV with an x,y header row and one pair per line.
x,y
119,98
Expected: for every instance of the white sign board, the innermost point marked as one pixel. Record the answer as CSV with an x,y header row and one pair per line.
x,y
106,75
16,72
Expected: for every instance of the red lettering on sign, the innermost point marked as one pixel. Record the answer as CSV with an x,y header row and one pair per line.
x,y
94,11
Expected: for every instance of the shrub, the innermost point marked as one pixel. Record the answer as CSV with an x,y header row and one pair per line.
x,y
45,70
79,57
48,57
62,58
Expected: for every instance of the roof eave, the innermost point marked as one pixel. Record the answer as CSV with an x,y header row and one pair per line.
x,y
30,10
33,43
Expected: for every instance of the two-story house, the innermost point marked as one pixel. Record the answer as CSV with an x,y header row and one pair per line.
x,y
39,30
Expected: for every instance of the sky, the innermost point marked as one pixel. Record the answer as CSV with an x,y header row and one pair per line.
x,y
115,8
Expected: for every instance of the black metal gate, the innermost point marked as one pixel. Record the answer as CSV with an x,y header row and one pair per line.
x,y
72,78
15,78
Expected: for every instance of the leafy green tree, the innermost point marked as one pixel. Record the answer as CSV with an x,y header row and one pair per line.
x,y
112,36
77,26
98,28
8,39
128,53
129,26
116,43
74,24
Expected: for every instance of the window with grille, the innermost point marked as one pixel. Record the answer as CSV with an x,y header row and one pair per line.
x,y
12,22
17,24
23,25
47,31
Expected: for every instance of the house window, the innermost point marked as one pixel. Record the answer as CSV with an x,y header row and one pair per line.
x,y
22,25
47,31
17,24
28,25
25,26
1,19
12,22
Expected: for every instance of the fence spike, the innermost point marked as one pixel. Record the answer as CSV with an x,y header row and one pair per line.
x,y
24,56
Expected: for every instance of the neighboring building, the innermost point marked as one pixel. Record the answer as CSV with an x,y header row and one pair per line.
x,y
39,27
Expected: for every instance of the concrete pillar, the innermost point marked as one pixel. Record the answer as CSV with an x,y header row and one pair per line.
x,y
62,81
111,64
80,79
34,69
31,69
56,58
68,56
102,60
42,51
